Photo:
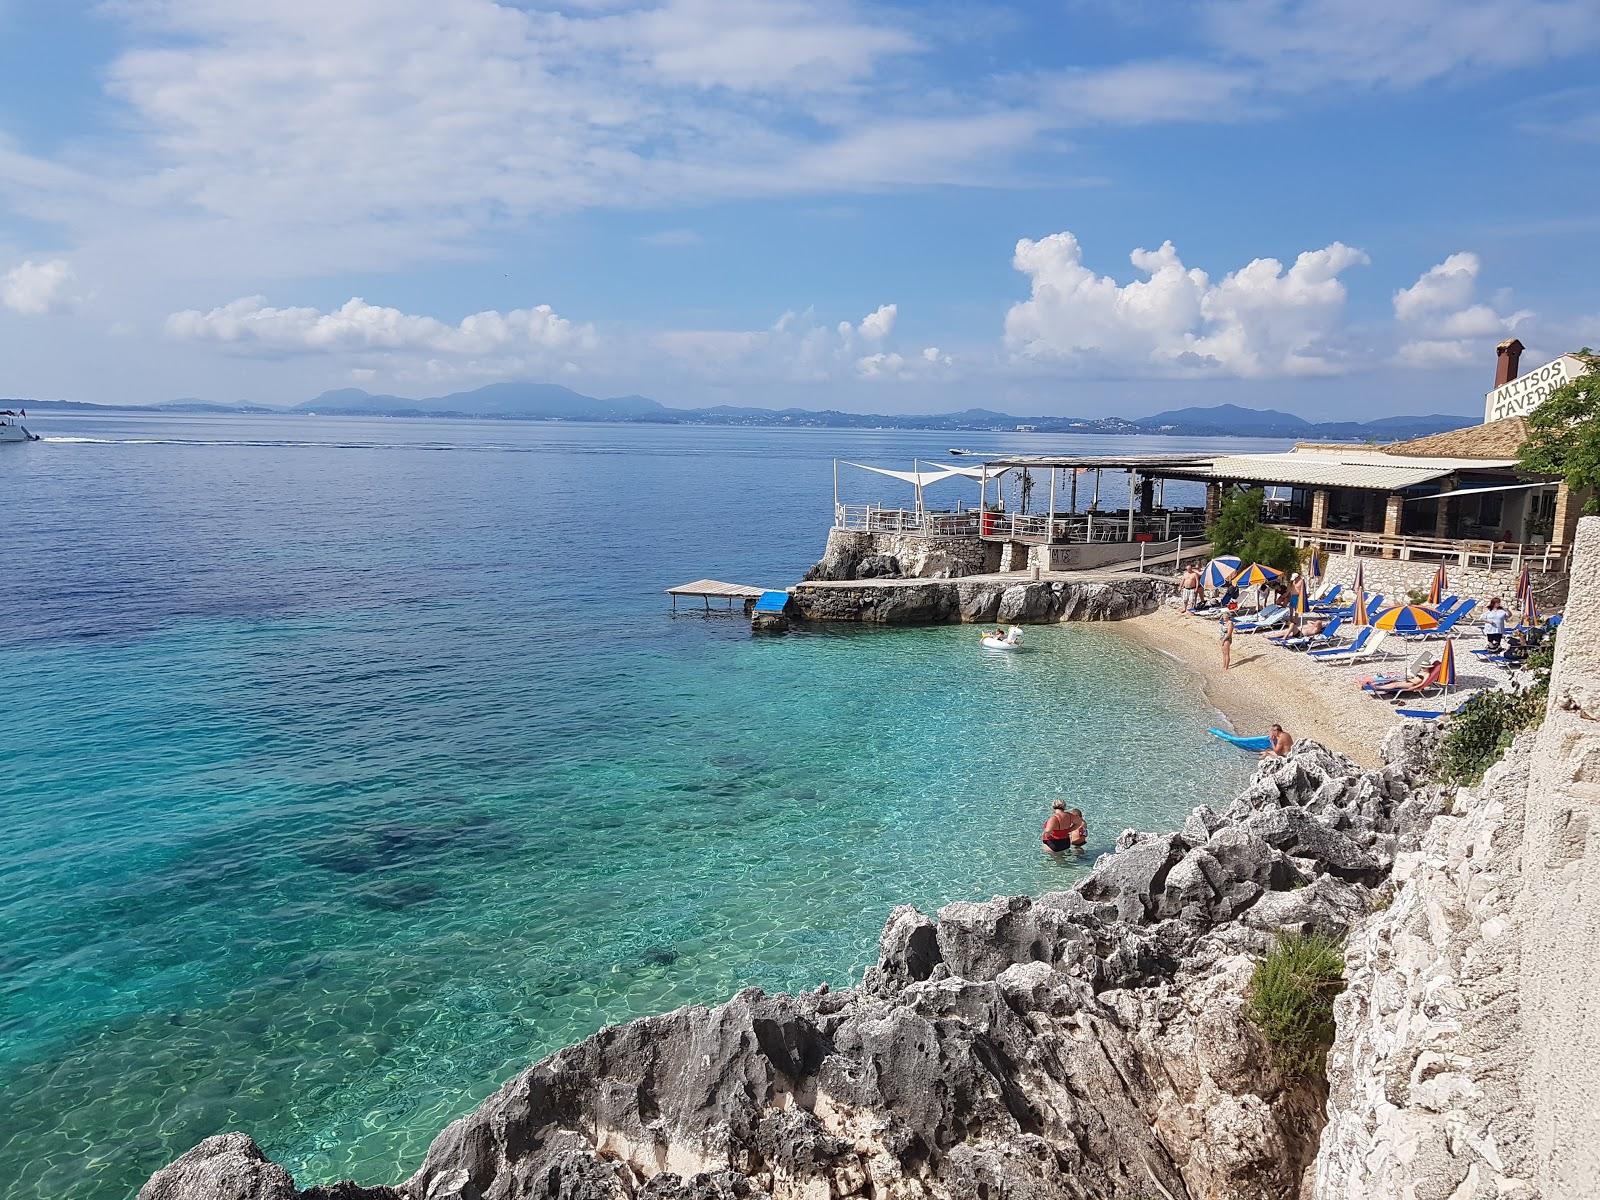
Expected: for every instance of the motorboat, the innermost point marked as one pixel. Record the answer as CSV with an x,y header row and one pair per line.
x,y
1011,641
959,450
12,428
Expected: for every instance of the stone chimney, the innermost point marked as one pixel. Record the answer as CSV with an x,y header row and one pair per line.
x,y
1507,354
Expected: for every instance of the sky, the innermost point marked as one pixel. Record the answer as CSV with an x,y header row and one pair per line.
x,y
1081,207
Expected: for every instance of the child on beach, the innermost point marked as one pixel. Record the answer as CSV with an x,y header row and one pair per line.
x,y
1225,633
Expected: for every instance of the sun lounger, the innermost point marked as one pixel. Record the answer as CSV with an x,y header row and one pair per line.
x,y
1361,648
1307,641
1427,684
1428,714
1363,635
1270,617
1329,598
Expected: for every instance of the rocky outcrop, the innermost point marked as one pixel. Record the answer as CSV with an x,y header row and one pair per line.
x,y
1089,1044
851,554
988,600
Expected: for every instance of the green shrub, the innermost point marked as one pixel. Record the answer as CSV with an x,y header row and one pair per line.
x,y
1480,733
1291,1001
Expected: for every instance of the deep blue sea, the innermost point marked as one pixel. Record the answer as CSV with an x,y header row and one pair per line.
x,y
353,765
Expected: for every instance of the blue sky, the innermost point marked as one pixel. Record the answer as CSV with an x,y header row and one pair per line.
x,y
1083,206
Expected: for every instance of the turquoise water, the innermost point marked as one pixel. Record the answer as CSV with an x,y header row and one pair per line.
x,y
346,777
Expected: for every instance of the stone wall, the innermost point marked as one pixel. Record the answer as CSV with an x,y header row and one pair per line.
x,y
850,554
1467,1063
1394,578
1558,907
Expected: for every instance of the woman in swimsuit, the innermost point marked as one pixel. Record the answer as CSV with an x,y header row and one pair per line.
x,y
1064,829
1225,632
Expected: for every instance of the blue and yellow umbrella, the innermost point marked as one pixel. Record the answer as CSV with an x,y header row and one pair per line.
x,y
1407,618
1314,563
1220,571
1256,574
1447,664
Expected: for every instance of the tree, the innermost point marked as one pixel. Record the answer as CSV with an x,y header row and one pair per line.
x,y
1564,435
1239,530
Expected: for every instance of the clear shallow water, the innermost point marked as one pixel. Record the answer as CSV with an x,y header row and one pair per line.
x,y
353,765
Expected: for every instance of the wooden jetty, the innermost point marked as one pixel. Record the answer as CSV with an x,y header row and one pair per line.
x,y
714,589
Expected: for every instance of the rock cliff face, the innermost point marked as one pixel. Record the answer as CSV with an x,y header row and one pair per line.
x,y
980,600
851,554
1087,1044
1467,1062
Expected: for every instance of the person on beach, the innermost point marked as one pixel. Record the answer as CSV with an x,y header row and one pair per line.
x,y
1225,633
1191,589
1381,685
1494,622
1281,741
1064,829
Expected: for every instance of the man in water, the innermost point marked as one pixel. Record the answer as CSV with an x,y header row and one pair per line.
x,y
1280,743
1064,830
1191,588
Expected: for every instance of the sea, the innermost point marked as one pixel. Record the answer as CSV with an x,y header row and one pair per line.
x,y
353,765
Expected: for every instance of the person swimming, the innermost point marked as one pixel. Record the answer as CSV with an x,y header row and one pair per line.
x,y
1065,829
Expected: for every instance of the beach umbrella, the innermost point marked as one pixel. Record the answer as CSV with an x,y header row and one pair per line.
x,y
1407,618
1436,592
1255,575
1524,588
1314,563
1360,583
1219,572
1447,664
1530,610
1358,612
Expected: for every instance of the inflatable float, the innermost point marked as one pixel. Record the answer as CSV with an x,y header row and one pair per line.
x,y
1260,742
1012,640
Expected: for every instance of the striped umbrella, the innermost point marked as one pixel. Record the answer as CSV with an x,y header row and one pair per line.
x,y
1255,575
1219,572
1436,592
1530,610
1298,600
1314,563
1407,618
1524,588
1447,664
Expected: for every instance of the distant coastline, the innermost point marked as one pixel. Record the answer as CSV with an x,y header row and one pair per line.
x,y
550,402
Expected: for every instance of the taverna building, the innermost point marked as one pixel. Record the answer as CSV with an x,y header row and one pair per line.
x,y
1457,497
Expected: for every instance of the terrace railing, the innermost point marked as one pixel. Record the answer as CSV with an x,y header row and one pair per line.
x,y
1466,552
1032,528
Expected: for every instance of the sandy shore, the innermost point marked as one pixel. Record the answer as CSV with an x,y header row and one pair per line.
x,y
1268,683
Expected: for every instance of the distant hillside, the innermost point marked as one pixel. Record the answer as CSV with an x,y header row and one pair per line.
x,y
521,401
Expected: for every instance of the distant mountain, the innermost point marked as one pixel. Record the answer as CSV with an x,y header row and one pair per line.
x,y
521,401
1230,420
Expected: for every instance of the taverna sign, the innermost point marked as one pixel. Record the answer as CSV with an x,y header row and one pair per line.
x,y
1526,392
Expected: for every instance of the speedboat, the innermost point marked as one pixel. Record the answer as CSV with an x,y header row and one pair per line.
x,y
1011,641
12,429
959,450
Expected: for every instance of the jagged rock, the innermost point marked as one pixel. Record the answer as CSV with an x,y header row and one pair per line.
x,y
879,566
1128,882
931,601
229,1166
1303,836
908,951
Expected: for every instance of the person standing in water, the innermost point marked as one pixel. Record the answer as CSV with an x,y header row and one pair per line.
x,y
1064,829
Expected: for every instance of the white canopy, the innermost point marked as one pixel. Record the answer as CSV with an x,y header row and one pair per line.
x,y
917,478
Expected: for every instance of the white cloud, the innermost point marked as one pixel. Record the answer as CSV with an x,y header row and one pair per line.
x,y
879,323
1444,323
1259,321
893,365
250,323
36,288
